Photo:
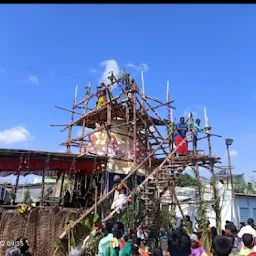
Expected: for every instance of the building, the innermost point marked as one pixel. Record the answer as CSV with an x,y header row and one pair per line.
x,y
244,206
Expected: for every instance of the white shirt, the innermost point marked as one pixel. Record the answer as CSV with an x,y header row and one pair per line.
x,y
247,230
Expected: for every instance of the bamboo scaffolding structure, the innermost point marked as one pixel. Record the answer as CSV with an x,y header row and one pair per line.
x,y
85,111
155,112
112,190
160,136
158,101
71,111
145,182
140,123
161,105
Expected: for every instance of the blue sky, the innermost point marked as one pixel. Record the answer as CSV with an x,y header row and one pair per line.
x,y
207,52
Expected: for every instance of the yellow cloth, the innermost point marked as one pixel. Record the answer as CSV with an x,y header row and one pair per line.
x,y
101,101
245,251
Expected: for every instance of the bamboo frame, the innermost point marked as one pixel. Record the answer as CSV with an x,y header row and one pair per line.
x,y
139,120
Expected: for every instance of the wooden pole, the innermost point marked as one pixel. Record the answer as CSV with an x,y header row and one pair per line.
x,y
169,113
86,99
151,176
143,88
134,138
113,189
216,197
72,119
61,187
17,178
95,200
234,206
43,177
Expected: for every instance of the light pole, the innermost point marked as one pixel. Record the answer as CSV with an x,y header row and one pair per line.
x,y
229,142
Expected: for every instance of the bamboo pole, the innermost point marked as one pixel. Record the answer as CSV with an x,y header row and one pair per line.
x,y
113,189
85,111
215,191
150,119
145,182
71,111
160,105
17,178
158,101
155,113
72,119
134,139
43,177
143,88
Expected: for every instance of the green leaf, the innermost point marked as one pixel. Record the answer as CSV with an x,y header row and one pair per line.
x,y
87,224
96,218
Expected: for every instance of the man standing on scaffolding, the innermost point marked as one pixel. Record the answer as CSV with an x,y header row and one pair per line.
x,y
197,129
179,136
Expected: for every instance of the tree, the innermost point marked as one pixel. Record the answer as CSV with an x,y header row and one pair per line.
x,y
239,183
241,186
186,180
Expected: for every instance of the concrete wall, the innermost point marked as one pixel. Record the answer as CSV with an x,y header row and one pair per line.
x,y
188,200
246,206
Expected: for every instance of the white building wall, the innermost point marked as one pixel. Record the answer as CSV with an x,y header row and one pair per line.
x,y
190,207
245,204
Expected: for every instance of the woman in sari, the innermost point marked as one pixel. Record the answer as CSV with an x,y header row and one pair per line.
x,y
179,136
117,246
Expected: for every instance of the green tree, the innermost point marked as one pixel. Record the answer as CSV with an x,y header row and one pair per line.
x,y
239,183
186,180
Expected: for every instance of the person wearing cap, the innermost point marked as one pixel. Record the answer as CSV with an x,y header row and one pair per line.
x,y
196,250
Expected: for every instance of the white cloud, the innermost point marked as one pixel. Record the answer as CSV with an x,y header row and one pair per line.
x,y
15,135
109,65
141,67
33,79
2,71
233,153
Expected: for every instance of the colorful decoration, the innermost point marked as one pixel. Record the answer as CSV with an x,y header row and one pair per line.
x,y
100,144
22,208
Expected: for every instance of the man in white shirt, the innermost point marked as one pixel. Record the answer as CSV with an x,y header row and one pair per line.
x,y
248,229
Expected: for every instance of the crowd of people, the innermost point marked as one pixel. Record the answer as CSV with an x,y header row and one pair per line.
x,y
181,241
